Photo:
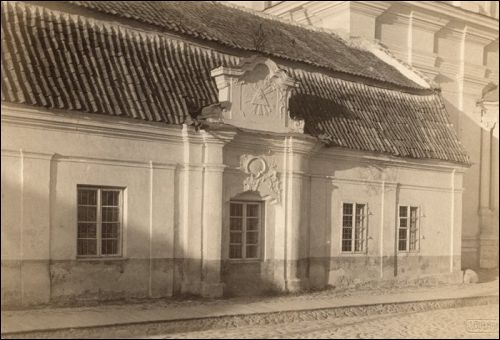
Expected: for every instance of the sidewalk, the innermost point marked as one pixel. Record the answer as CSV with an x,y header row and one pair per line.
x,y
45,319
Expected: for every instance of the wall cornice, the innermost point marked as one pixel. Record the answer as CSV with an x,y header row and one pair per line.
x,y
363,157
88,160
111,126
433,8
445,10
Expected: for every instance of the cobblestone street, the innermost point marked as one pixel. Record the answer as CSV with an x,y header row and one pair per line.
x,y
445,323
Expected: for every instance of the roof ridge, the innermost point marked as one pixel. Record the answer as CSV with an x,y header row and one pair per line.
x,y
265,15
399,77
356,42
375,43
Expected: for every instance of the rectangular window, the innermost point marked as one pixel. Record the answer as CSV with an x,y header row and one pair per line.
x,y
407,231
353,227
244,230
99,221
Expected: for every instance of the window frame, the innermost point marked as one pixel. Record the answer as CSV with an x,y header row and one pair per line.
x,y
260,230
417,226
364,238
121,202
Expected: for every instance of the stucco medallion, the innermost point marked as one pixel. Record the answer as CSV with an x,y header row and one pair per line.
x,y
262,176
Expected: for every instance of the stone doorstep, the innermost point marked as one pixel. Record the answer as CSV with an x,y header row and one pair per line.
x,y
172,326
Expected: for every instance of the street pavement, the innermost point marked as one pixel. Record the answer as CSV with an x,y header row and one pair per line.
x,y
175,316
477,322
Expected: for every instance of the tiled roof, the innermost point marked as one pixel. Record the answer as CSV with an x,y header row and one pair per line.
x,y
233,27
55,60
362,117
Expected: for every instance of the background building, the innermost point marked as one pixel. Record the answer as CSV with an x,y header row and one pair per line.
x,y
454,44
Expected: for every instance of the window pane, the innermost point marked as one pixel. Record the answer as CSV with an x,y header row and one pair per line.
x,y
403,223
236,223
347,221
87,214
413,240
234,252
346,233
360,209
358,245
87,196
87,247
403,212
347,209
110,230
360,220
109,247
413,211
251,252
236,209
235,237
252,237
413,217
252,210
87,230
358,233
110,214
402,234
402,245
110,197
346,245
252,224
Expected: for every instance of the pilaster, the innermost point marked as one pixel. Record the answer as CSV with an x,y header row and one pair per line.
x,y
35,227
296,166
212,207
488,238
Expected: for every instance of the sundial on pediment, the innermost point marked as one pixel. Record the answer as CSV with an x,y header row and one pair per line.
x,y
258,92
260,103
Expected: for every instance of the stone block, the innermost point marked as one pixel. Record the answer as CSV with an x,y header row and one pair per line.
x,y
470,276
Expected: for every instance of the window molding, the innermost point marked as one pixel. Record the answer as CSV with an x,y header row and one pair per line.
x,y
121,220
418,228
364,238
260,230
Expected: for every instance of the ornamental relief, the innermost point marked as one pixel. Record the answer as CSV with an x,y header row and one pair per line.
x,y
259,93
263,98
262,176
256,95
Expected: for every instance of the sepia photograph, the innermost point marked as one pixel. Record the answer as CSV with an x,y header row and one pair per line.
x,y
249,169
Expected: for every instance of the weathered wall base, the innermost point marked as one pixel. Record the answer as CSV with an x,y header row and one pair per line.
x,y
252,278
79,281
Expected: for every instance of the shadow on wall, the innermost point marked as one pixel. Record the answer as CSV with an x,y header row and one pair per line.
x,y
468,128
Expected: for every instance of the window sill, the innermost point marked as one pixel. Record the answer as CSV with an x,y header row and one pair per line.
x,y
100,258
353,254
408,253
244,260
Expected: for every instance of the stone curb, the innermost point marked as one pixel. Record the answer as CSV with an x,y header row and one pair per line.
x,y
151,328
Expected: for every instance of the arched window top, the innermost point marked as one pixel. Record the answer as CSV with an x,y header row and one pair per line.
x,y
248,196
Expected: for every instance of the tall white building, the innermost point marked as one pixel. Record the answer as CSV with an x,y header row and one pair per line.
x,y
454,44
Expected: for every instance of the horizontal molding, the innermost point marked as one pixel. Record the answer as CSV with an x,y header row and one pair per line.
x,y
354,181
92,160
364,157
118,127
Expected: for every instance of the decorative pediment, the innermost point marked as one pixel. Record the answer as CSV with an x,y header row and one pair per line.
x,y
258,92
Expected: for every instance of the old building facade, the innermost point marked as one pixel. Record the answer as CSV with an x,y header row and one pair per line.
x,y
453,43
143,156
